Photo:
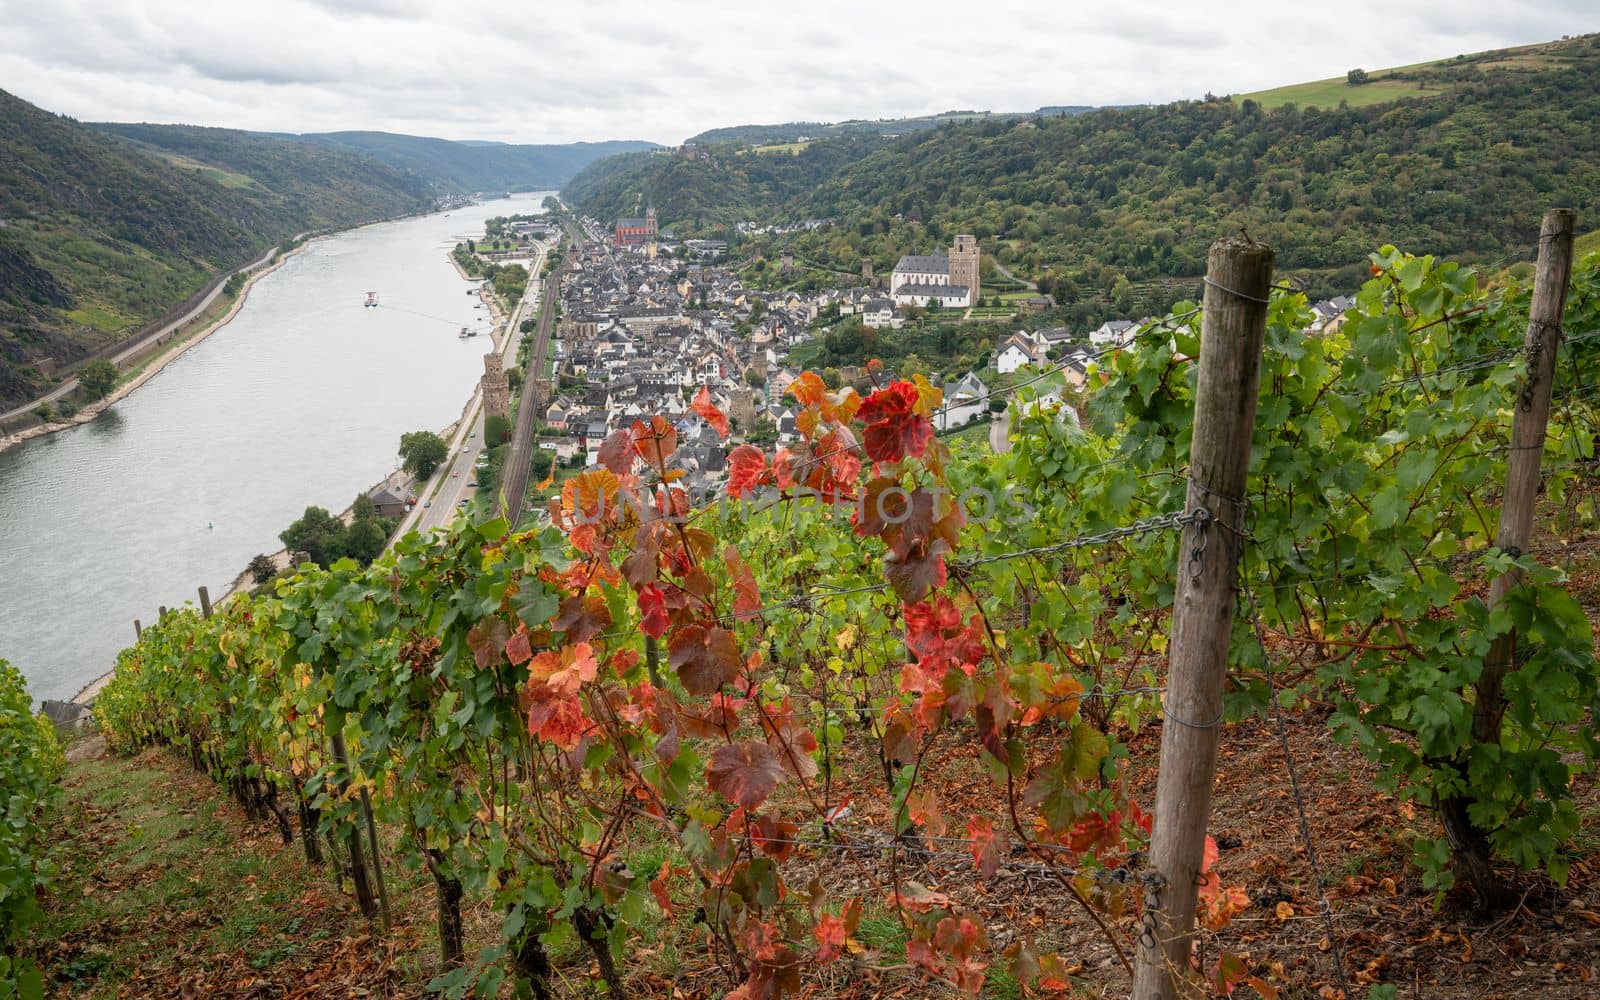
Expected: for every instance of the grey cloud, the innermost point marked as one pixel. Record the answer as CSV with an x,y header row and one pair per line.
x,y
665,69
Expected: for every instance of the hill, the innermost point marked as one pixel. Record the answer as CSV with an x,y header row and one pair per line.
x,y
757,135
1110,210
100,234
461,167
1361,87
702,188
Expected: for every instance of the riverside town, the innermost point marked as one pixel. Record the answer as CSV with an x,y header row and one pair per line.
x,y
1098,503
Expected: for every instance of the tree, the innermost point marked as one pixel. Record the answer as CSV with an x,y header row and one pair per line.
x,y
1356,77
318,535
496,430
754,379
98,378
422,452
234,284
262,568
364,540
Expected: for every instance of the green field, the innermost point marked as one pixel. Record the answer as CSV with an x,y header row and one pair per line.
x,y
101,319
1381,87
792,148
1587,243
227,178
1328,93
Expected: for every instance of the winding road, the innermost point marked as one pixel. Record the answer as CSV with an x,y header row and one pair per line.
x,y
134,348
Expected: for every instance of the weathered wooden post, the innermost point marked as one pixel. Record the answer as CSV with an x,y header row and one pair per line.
x,y
1238,279
205,602
1469,847
138,631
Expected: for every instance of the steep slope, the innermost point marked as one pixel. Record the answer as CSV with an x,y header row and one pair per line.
x,y
478,166
702,187
99,235
1112,207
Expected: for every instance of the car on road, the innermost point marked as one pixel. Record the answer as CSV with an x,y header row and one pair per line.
x,y
461,503
426,504
474,483
454,473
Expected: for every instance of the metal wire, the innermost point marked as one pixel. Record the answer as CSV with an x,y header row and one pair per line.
x,y
1294,782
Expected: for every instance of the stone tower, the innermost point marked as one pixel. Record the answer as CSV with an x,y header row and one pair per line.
x,y
650,219
866,270
964,264
496,388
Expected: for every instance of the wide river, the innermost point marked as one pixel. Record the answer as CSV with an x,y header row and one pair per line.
x,y
300,400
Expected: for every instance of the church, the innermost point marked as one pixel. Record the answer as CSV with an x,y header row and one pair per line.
x,y
952,282
637,232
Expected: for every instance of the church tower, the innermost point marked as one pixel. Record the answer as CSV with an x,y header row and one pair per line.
x,y
650,220
964,265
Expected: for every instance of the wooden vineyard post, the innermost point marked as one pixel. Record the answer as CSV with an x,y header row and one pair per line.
x,y
1528,425
1238,280
138,631
1468,845
205,602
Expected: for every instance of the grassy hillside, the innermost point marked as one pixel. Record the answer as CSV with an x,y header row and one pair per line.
x,y
1418,80
1112,210
100,233
469,167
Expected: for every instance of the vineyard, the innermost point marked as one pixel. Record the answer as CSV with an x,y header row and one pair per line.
x,y
820,736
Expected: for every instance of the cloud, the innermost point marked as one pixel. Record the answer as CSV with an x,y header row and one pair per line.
x,y
665,69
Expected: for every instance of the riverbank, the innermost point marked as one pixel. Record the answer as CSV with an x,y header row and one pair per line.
x,y
153,365
332,341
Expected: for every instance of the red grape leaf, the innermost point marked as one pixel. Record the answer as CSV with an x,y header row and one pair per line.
x,y
653,611
616,451
744,773
709,413
705,658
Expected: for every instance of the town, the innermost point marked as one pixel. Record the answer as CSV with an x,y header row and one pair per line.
x,y
647,320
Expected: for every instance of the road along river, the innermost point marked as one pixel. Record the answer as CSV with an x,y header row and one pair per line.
x,y
301,399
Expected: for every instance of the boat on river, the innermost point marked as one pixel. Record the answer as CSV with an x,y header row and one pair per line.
x,y
372,300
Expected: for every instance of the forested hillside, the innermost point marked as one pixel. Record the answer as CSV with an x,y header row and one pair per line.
x,y
1115,204
698,188
888,127
471,167
99,235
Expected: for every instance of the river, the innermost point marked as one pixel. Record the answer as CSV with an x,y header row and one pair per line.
x,y
300,400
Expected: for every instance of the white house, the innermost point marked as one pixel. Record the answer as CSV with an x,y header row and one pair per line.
x,y
964,401
1018,351
878,313
1113,332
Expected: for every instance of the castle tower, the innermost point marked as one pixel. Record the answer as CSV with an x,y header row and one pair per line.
x,y
964,265
496,387
866,270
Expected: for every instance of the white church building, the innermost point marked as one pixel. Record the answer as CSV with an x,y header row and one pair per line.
x,y
952,282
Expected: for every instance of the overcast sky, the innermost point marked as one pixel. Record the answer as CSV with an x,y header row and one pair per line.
x,y
562,70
